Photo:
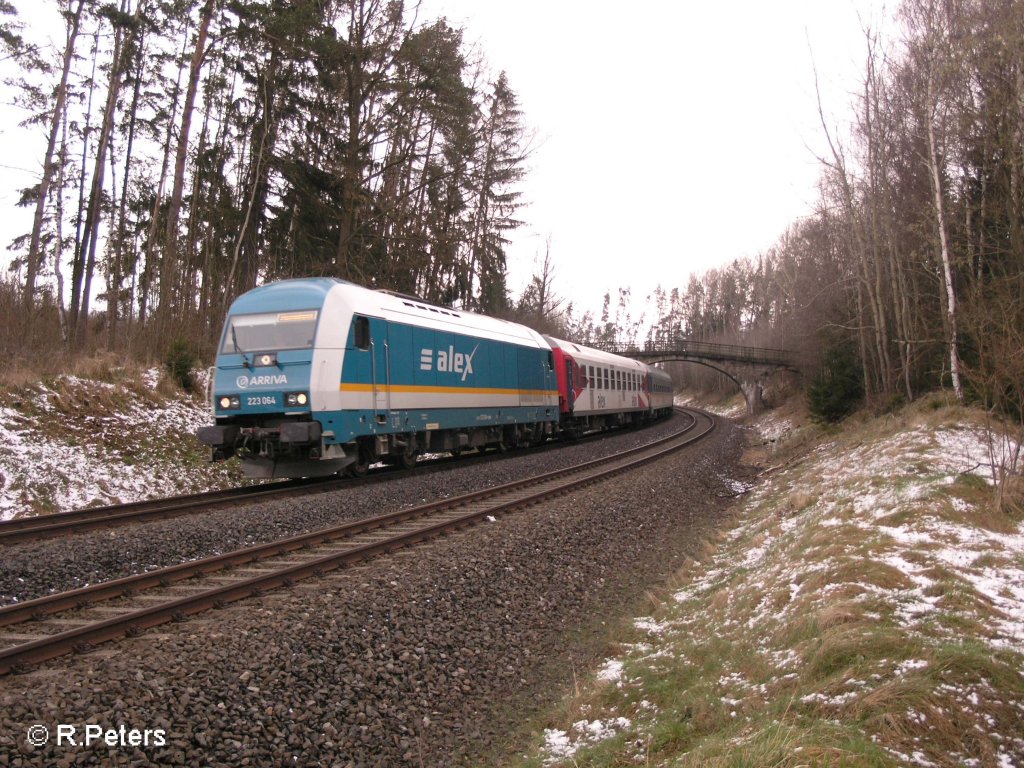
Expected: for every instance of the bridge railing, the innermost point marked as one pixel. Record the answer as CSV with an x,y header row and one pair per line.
x,y
688,348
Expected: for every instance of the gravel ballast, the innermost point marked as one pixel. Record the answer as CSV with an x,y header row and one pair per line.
x,y
430,657
38,568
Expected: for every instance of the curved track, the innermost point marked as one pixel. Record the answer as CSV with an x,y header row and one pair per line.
x,y
79,619
40,527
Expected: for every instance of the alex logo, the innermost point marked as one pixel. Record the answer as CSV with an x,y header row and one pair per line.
x,y
244,382
448,360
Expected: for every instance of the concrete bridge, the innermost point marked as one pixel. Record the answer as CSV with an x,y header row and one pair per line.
x,y
749,367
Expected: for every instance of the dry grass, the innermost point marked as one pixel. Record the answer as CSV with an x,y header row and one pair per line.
x,y
978,511
843,649
799,644
839,613
108,367
112,380
17,378
77,441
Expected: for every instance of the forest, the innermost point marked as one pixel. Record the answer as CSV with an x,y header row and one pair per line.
x,y
909,275
197,148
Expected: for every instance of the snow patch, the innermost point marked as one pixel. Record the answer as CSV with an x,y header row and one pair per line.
x,y
611,671
560,745
53,460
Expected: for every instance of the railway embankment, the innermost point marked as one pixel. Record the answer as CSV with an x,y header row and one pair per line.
x,y
864,607
427,657
862,603
107,435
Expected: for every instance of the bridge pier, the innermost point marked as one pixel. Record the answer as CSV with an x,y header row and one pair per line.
x,y
753,391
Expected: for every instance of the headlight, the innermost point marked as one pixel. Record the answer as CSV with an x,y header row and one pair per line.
x,y
229,402
296,399
266,359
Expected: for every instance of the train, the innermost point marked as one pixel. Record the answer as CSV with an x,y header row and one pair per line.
x,y
320,376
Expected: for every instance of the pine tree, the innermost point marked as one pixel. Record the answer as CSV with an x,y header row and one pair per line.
x,y
499,166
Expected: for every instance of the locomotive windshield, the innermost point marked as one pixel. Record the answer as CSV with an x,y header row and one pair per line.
x,y
270,331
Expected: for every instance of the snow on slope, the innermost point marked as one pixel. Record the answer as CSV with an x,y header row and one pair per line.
x,y
71,443
885,532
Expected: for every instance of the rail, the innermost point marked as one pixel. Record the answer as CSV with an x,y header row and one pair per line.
x,y
67,622
20,530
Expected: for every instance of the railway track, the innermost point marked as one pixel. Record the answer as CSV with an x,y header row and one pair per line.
x,y
45,628
40,527
22,529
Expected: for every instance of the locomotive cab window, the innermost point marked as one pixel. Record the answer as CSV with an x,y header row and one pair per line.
x,y
362,332
270,331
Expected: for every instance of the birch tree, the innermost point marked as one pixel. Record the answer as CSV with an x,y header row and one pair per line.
x,y
928,52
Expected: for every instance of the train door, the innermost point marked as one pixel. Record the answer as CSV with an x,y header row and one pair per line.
x,y
591,384
570,385
380,367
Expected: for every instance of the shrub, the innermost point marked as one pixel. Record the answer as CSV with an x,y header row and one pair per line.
x,y
838,388
179,363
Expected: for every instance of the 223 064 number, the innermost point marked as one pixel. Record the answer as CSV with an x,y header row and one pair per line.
x,y
261,400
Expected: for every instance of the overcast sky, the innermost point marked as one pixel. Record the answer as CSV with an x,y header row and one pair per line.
x,y
670,137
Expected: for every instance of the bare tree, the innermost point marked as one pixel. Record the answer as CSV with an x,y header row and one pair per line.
x,y
169,271
929,49
73,20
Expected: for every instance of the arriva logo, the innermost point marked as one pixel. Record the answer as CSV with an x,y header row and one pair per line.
x,y
448,360
244,382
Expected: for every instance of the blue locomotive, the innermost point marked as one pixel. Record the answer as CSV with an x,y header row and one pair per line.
x,y
317,376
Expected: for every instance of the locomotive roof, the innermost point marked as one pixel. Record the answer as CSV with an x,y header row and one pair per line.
x,y
414,311
301,293
315,292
